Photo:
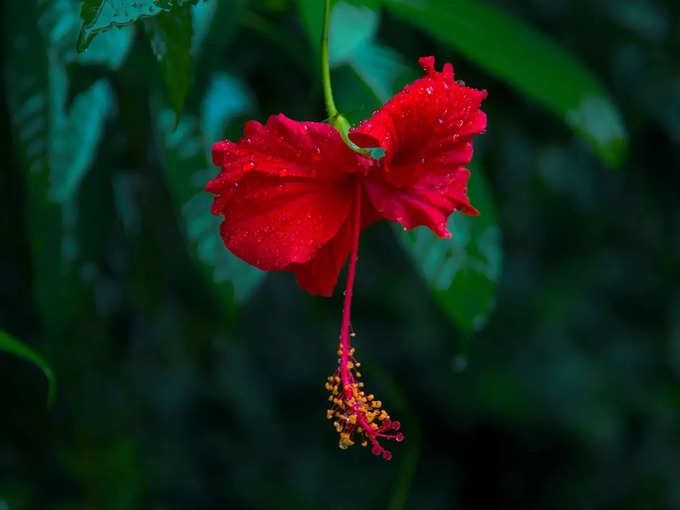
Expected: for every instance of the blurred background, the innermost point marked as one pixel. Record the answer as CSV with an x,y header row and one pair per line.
x,y
533,359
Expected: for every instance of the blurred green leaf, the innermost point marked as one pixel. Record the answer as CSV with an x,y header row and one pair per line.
x,y
12,345
60,25
170,35
351,28
189,168
382,70
225,98
75,138
29,103
203,16
462,272
102,15
529,61
311,15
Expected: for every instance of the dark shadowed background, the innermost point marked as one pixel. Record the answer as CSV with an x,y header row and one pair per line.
x,y
533,360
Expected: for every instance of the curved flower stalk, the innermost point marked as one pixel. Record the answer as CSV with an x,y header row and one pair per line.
x,y
296,197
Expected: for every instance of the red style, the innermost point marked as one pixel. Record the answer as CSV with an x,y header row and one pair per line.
x,y
295,197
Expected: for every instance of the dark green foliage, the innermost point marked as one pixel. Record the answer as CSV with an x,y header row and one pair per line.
x,y
528,61
102,15
170,37
14,346
462,272
190,380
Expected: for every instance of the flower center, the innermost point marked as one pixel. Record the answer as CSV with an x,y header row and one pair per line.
x,y
354,411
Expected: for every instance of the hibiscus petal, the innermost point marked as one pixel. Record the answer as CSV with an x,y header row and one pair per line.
x,y
286,148
426,131
285,191
428,202
319,275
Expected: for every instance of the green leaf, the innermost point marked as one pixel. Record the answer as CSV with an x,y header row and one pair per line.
x,y
351,28
203,16
48,136
29,104
527,60
102,15
60,24
14,346
75,139
382,70
225,98
189,167
462,272
170,35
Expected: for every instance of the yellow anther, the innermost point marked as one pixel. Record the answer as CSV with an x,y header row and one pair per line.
x,y
353,419
364,443
370,396
376,403
358,374
350,365
329,414
345,439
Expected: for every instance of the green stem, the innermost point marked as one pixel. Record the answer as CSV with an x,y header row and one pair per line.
x,y
334,118
325,67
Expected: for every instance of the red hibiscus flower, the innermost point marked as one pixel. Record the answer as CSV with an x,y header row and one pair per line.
x,y
295,197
